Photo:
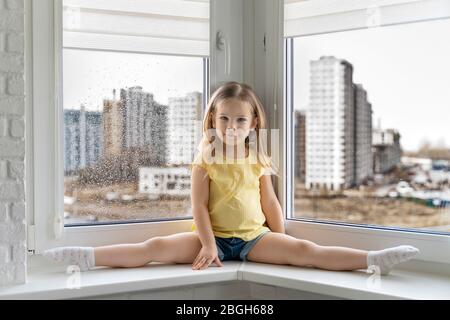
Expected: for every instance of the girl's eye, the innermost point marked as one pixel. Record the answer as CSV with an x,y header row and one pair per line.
x,y
223,118
242,119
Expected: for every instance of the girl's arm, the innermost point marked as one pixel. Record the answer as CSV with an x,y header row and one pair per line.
x,y
270,205
200,198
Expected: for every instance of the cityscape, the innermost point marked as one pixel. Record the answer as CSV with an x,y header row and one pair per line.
x,y
130,161
349,171
122,161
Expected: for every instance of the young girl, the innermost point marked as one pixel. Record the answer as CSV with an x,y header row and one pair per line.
x,y
236,212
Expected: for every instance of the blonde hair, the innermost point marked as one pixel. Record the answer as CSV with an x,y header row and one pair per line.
x,y
243,93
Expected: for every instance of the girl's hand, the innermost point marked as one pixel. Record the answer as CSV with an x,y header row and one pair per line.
x,y
205,257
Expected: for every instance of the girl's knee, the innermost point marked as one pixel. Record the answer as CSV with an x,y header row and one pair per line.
x,y
306,247
154,243
305,251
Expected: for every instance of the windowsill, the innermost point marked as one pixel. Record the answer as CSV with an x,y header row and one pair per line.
x,y
408,282
50,282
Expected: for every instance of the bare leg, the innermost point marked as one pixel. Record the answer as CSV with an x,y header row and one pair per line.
x,y
279,248
334,258
124,255
177,248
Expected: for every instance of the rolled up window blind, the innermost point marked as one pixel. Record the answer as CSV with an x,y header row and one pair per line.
x,y
308,17
178,27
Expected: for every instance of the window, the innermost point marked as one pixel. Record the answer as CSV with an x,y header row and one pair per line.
x,y
130,79
390,66
133,75
246,58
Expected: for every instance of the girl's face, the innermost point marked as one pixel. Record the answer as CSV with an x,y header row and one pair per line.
x,y
233,121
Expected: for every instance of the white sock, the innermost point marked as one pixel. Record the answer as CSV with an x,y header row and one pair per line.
x,y
386,259
81,256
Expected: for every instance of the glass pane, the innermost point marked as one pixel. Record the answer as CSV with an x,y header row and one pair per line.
x,y
132,120
372,144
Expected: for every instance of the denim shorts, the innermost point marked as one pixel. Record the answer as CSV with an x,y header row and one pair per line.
x,y
235,248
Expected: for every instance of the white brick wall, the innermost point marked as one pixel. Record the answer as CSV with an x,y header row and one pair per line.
x,y
12,143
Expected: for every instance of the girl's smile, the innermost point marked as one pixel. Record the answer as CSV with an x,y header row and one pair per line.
x,y
233,121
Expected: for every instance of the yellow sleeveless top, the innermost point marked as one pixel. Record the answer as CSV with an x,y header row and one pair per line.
x,y
234,197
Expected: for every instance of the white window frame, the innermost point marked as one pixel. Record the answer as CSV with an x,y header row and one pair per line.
x,y
46,188
251,22
326,16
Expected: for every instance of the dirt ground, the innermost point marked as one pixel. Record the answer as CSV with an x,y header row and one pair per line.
x,y
91,205
139,210
373,211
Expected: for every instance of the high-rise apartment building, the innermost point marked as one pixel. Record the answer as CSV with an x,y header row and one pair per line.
x,y
363,136
113,127
330,132
184,127
338,128
82,138
145,123
300,145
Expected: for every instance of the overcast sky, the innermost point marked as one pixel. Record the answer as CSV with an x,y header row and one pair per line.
x,y
405,69
90,76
